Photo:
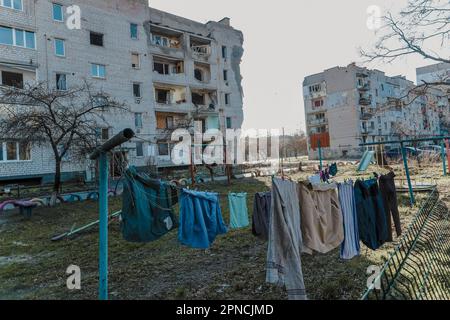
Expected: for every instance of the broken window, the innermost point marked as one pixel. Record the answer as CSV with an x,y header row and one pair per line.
x,y
96,39
138,120
198,99
139,149
105,134
137,90
198,74
169,123
161,68
163,149
135,64
318,103
12,79
224,52
133,31
162,96
229,123
315,88
61,82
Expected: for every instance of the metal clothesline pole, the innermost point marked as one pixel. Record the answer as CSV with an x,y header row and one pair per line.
x,y
101,154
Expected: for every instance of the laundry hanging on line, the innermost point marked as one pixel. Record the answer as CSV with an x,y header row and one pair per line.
x,y
285,240
389,195
371,214
261,213
147,213
321,217
350,247
238,210
200,219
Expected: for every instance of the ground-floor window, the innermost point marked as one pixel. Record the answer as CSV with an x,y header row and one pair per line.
x,y
15,151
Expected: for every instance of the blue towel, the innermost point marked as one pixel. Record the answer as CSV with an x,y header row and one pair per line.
x,y
238,210
200,219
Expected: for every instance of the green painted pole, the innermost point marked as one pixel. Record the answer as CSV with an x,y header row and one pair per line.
x,y
103,253
320,155
444,157
408,177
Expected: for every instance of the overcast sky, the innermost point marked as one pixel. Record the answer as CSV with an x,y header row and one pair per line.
x,y
287,40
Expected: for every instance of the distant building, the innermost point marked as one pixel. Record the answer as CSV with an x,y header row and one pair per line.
x,y
438,73
166,68
347,106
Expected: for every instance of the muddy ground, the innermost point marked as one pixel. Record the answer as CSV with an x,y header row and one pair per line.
x,y
33,267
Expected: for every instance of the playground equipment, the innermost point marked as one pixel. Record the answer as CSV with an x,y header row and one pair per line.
x,y
26,207
101,154
74,231
405,157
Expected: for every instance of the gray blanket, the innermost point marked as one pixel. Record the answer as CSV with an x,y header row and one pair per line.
x,y
285,240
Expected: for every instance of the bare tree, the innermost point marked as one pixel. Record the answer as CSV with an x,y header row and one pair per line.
x,y
416,30
422,28
67,121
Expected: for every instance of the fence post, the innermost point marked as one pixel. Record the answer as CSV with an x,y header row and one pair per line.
x,y
408,177
320,155
444,156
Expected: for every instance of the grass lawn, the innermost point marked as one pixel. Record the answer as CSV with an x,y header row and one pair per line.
x,y
33,267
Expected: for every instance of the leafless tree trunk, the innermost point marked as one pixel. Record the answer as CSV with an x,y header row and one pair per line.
x,y
67,121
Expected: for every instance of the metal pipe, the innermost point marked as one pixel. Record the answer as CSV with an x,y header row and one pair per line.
x,y
404,141
408,177
320,155
444,156
103,254
115,141
101,154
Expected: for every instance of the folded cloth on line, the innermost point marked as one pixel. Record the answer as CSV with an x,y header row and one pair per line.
x,y
238,210
200,219
350,247
322,222
261,212
146,208
284,266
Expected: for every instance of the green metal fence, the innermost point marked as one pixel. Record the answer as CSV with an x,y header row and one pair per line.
x,y
419,268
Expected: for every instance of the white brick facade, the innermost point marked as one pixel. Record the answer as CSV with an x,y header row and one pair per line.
x,y
112,18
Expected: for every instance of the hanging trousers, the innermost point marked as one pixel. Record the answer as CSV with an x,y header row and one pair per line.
x,y
389,194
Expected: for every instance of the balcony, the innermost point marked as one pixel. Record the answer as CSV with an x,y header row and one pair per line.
x,y
365,100
168,70
364,87
200,48
317,122
171,98
166,41
366,115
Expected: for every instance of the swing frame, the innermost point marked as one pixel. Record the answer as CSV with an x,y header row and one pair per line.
x,y
405,157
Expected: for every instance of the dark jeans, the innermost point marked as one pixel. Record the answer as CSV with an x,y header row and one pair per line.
x,y
389,194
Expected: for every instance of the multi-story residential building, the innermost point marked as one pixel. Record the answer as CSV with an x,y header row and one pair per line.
x,y
168,70
348,106
438,73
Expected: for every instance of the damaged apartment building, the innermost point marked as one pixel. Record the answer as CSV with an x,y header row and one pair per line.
x,y
348,106
168,70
